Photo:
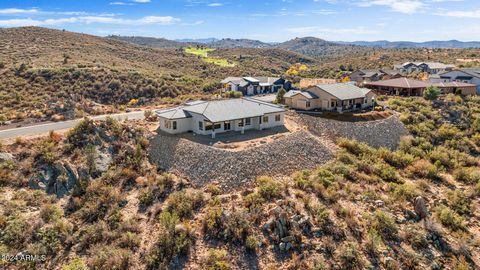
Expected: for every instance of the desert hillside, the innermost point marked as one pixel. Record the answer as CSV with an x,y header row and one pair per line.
x,y
92,199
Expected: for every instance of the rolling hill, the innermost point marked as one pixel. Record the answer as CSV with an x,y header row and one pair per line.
x,y
449,44
47,72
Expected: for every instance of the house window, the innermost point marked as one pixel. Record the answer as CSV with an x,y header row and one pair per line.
x,y
168,124
174,124
240,124
365,100
307,104
200,125
248,121
277,118
333,105
208,126
217,126
265,119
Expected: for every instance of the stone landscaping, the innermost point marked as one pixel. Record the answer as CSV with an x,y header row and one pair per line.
x,y
306,148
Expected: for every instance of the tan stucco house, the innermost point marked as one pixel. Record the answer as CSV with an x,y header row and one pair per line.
x,y
331,97
213,117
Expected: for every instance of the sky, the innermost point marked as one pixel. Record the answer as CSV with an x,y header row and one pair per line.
x,y
270,21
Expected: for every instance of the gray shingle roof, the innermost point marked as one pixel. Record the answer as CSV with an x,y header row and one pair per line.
x,y
224,110
344,91
306,94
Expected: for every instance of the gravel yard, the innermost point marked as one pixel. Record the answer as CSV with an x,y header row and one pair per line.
x,y
203,164
309,145
380,133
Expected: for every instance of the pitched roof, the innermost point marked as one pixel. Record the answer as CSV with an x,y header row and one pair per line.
x,y
306,94
400,83
453,84
232,109
175,113
243,81
344,91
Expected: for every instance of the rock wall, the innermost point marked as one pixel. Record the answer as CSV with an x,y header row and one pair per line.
x,y
380,133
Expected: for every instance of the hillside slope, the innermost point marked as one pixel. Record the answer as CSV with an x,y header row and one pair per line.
x,y
44,71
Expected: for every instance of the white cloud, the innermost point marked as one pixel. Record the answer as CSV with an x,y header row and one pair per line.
x,y
148,20
402,6
215,5
141,1
12,11
460,14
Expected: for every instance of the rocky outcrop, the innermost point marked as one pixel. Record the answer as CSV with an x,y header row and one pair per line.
x,y
420,207
59,179
203,164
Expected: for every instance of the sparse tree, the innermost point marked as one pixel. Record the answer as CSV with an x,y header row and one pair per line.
x,y
280,94
431,93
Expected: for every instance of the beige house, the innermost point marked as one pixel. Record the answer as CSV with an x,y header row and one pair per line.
x,y
331,97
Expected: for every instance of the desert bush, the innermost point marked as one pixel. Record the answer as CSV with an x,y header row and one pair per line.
x,y
386,172
385,225
354,147
269,189
450,219
374,243
155,188
467,175
217,259
51,213
350,256
174,239
405,191
397,159
431,93
53,236
129,240
109,257
75,264
460,202
251,243
253,200
16,232
415,235
423,169
98,201
182,203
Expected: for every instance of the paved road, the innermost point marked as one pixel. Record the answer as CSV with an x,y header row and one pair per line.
x,y
45,128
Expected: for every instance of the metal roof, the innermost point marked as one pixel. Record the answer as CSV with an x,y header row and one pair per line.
x,y
306,94
453,84
344,91
224,110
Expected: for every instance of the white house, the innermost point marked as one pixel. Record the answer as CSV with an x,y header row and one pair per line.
x,y
213,117
430,67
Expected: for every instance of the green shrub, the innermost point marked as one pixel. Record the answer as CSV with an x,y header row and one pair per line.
x,y
17,231
386,172
253,200
431,93
467,175
354,147
405,191
424,169
385,225
415,235
217,259
173,240
182,203
75,264
450,219
251,243
110,257
398,159
459,202
53,236
269,189
350,256
51,213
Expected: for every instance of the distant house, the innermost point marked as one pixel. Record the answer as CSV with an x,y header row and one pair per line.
x,y
371,75
398,87
331,97
250,86
411,87
429,67
467,75
213,117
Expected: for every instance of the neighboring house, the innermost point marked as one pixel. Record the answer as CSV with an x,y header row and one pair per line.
x,y
467,75
250,86
429,67
398,87
461,88
371,75
213,117
339,97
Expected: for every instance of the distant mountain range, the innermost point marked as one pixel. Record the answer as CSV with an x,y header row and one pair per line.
x,y
449,44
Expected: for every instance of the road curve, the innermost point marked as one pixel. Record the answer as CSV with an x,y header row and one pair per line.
x,y
45,128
